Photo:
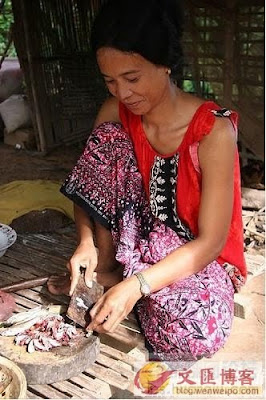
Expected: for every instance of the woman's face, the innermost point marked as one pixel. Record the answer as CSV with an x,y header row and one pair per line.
x,y
136,82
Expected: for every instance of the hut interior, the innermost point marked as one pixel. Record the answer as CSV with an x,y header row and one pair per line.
x,y
224,61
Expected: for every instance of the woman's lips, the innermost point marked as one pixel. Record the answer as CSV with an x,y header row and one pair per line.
x,y
133,105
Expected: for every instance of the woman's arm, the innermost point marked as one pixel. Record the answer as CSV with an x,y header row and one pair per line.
x,y
216,155
86,253
109,111
84,226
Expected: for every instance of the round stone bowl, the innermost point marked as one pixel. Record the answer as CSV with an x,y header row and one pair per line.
x,y
7,237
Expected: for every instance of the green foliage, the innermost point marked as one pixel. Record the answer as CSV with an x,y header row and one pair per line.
x,y
6,19
206,89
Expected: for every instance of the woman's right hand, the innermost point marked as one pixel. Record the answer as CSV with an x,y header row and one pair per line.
x,y
85,256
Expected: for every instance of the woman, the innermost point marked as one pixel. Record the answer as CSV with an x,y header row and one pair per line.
x,y
158,185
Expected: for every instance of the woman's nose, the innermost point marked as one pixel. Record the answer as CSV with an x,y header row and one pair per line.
x,y
123,92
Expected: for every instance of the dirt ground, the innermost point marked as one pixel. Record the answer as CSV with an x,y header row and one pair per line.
x,y
23,164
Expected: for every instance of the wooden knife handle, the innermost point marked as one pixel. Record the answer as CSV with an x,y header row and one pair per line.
x,y
25,284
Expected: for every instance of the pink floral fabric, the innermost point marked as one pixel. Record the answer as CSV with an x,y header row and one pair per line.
x,y
187,320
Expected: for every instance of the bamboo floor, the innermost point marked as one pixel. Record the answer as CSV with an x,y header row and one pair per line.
x,y
112,374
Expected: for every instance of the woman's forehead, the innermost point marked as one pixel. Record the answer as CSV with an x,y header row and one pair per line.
x,y
113,59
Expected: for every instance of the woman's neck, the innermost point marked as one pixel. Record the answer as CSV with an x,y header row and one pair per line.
x,y
162,114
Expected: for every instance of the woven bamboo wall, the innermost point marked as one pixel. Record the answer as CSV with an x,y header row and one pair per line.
x,y
224,53
52,41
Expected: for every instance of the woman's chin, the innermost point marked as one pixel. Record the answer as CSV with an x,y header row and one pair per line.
x,y
137,109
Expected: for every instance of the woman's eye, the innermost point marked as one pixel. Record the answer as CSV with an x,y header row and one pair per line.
x,y
109,82
133,80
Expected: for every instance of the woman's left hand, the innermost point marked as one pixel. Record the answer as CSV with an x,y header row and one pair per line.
x,y
114,306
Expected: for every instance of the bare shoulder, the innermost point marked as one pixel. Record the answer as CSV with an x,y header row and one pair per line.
x,y
223,127
223,131
220,143
109,111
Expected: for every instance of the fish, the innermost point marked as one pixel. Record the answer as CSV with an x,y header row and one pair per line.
x,y
19,328
45,334
40,311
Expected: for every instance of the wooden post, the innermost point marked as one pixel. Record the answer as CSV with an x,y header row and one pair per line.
x,y
10,40
39,121
229,38
195,38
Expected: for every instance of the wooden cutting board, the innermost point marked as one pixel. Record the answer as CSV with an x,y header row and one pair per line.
x,y
59,364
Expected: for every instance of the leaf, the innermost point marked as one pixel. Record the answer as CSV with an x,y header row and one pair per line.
x,y
160,198
223,332
95,140
192,313
96,157
181,323
196,327
199,337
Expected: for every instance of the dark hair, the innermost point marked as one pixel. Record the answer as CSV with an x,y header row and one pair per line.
x,y
151,28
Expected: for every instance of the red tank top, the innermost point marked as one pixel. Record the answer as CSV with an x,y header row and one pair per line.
x,y
189,175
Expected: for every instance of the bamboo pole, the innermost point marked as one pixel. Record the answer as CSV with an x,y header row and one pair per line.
x,y
39,121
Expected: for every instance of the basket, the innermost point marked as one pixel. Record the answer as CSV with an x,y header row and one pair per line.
x,y
13,383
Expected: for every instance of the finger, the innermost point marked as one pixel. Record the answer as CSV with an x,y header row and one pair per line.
x,y
89,274
75,273
96,308
110,323
97,325
98,315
